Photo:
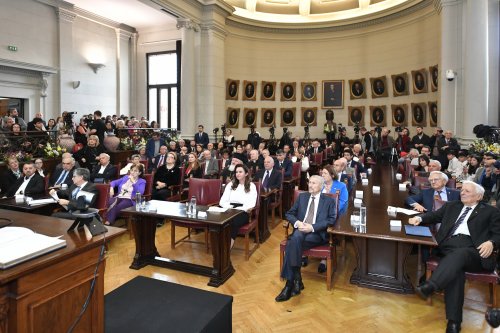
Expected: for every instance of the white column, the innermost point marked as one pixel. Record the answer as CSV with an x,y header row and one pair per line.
x,y
123,72
189,68
493,62
65,48
451,59
476,80
133,76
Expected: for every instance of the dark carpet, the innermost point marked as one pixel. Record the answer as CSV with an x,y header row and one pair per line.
x,y
149,305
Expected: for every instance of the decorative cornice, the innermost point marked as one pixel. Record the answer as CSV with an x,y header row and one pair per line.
x,y
103,20
7,83
25,68
187,24
65,15
246,24
124,35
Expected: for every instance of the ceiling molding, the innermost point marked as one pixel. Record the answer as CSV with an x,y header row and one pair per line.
x,y
27,69
259,26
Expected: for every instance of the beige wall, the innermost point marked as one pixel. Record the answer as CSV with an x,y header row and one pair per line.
x,y
402,45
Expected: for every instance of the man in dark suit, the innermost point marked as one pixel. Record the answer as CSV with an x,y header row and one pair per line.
x,y
352,164
69,197
211,167
201,137
31,185
253,138
310,216
469,232
63,175
444,144
283,163
153,145
10,176
271,178
104,171
254,164
159,159
420,139
424,200
315,149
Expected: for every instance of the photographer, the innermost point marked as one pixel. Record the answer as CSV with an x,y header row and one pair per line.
x,y
385,145
403,139
97,126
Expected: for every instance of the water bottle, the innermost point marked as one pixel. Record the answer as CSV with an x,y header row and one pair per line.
x,y
362,215
138,200
188,208
193,205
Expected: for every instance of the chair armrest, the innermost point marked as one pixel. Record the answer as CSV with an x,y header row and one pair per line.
x,y
286,224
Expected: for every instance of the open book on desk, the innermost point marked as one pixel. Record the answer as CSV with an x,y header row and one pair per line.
x,y
21,244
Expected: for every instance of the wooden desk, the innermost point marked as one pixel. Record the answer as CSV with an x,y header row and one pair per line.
x,y
287,196
45,209
264,232
46,294
144,227
381,252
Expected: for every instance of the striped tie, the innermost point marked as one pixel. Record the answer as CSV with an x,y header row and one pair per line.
x,y
458,222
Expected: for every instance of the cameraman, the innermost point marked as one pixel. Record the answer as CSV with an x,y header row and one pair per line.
x,y
343,141
98,127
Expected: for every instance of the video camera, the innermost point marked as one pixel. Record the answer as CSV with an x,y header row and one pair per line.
x,y
356,127
215,130
306,129
378,129
341,128
398,129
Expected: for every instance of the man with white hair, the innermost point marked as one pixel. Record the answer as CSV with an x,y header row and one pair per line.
x,y
310,216
103,172
469,232
424,201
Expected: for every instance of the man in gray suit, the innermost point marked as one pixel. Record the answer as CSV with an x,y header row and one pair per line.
x,y
211,165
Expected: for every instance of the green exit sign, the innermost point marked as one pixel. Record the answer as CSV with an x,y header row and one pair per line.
x,y
12,48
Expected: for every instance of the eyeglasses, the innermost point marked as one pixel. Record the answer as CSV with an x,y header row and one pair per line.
x,y
433,180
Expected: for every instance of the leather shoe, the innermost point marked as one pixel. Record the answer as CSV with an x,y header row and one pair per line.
x,y
305,261
452,327
297,287
425,290
321,268
286,293
422,279
493,317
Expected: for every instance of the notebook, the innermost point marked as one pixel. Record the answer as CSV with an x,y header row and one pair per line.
x,y
416,230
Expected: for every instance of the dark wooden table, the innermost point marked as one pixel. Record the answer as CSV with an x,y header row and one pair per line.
x,y
144,227
381,251
289,184
45,209
264,232
58,282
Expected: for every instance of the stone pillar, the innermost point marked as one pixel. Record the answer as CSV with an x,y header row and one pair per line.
x,y
133,74
123,72
494,65
189,71
475,68
65,18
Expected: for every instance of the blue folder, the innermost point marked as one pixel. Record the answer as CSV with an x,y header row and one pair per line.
x,y
416,230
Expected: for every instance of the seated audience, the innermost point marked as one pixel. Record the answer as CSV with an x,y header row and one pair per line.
x,y
128,187
254,164
103,172
192,169
166,176
10,176
39,167
283,163
134,160
211,165
63,175
31,185
269,176
455,168
333,185
88,156
240,194
423,163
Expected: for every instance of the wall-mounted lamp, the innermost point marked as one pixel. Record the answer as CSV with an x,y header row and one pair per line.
x,y
76,84
96,67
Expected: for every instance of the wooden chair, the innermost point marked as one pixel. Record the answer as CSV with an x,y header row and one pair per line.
x,y
102,199
327,252
146,165
277,201
252,226
491,278
207,193
296,171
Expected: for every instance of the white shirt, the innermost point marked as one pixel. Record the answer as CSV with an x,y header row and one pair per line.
x,y
239,196
463,228
23,185
455,168
101,170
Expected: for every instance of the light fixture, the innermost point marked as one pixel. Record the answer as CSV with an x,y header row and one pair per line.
x,y
96,67
76,84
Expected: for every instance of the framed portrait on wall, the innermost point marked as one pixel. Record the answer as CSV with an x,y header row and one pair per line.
x,y
268,117
419,81
287,117
333,94
249,90
309,116
232,89
268,92
399,114
377,115
433,113
249,117
288,91
356,115
400,84
379,86
308,91
434,73
357,88
418,114
232,117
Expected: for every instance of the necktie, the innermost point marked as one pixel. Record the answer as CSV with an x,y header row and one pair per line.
x,y
438,195
281,165
17,173
310,213
315,150
75,192
61,178
160,162
265,182
458,222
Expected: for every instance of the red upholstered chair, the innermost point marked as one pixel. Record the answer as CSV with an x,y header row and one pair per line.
x,y
207,193
452,183
253,225
296,170
422,182
146,164
327,252
102,199
491,278
317,159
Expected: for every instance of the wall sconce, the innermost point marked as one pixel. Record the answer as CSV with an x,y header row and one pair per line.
x,y
96,67
76,84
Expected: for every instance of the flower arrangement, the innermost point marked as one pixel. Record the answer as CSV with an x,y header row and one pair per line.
x,y
51,151
132,142
19,155
480,147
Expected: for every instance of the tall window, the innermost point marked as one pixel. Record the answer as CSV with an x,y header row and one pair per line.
x,y
164,87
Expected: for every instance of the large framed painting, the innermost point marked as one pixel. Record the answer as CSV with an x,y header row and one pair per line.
x,y
288,91
249,117
418,114
399,114
400,84
308,91
434,73
419,81
379,86
309,116
268,92
249,90
357,88
356,115
288,117
232,89
333,94
268,117
377,115
233,117
433,113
